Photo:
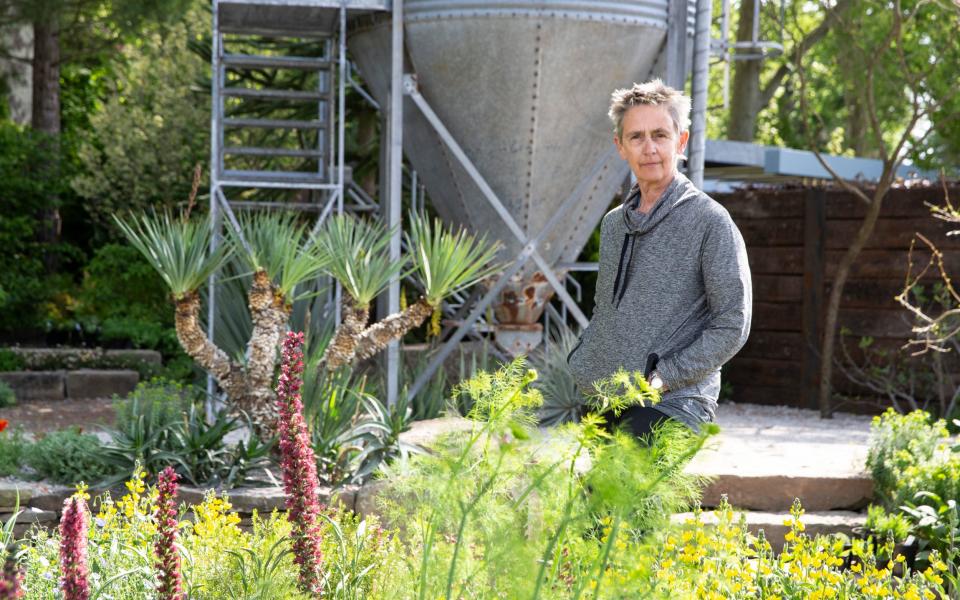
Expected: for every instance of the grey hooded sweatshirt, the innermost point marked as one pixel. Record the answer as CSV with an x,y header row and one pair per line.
x,y
673,295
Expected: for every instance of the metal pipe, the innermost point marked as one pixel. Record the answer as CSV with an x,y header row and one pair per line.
x,y
395,197
217,129
701,79
341,103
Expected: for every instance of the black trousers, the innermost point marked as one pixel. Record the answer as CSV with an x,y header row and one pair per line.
x,y
639,420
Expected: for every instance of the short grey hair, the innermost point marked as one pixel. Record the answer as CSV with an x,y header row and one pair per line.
x,y
652,93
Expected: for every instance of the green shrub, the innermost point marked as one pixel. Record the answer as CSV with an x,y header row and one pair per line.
x,y
882,524
12,450
908,453
7,397
125,298
10,360
67,456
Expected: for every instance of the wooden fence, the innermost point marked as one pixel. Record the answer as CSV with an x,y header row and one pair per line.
x,y
795,238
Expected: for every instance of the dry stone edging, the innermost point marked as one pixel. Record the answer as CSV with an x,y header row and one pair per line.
x,y
28,386
82,384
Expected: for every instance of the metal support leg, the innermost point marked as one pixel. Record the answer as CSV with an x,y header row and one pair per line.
x,y
528,251
411,89
395,199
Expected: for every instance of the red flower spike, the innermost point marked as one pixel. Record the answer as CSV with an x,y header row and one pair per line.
x,y
299,468
169,576
74,570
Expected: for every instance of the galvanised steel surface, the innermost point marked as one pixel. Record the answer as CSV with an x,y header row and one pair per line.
x,y
524,87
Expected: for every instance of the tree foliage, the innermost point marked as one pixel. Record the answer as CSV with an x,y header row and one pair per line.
x,y
150,130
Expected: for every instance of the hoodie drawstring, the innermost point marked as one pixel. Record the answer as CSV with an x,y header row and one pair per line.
x,y
623,269
616,282
626,270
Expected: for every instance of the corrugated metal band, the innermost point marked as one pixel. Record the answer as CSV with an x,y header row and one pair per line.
x,y
650,13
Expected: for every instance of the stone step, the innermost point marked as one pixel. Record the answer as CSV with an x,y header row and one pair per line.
x,y
81,384
765,457
772,523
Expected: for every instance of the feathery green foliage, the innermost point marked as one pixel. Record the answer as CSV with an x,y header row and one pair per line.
x,y
502,511
354,253
179,249
445,261
279,245
621,391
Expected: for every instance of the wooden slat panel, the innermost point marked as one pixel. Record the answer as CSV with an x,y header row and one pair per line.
x,y
889,233
785,260
771,232
875,322
771,316
769,395
778,288
779,345
763,372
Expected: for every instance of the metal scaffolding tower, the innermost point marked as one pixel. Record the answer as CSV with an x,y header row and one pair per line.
x,y
268,138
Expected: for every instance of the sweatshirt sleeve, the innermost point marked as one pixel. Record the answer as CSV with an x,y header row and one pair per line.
x,y
726,278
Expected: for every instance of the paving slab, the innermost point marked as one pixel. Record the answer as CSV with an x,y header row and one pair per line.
x,y
765,456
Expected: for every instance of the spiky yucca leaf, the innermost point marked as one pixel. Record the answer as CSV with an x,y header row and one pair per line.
x,y
447,262
279,245
354,253
178,249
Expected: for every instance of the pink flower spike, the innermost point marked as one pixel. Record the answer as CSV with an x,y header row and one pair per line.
x,y
11,580
299,468
73,549
170,579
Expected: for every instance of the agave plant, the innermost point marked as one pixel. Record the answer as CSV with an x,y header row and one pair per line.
x,y
444,261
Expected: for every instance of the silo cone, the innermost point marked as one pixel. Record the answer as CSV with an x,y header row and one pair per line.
x,y
523,87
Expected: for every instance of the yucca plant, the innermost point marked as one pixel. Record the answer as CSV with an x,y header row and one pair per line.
x,y
444,261
355,255
280,257
179,249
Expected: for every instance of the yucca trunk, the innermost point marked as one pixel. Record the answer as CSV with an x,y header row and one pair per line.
x,y
376,337
269,313
198,347
344,343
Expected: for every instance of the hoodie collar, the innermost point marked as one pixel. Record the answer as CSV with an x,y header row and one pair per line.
x,y
677,192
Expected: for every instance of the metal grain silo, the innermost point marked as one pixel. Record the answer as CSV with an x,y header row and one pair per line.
x,y
523,86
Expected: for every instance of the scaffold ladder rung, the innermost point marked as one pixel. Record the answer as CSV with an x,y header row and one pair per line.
x,y
274,94
249,61
276,123
254,151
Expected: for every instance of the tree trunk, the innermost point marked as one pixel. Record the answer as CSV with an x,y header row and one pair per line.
x,y
836,293
45,118
393,327
195,343
269,314
344,343
745,99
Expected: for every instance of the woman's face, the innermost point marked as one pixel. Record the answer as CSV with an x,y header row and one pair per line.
x,y
650,144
